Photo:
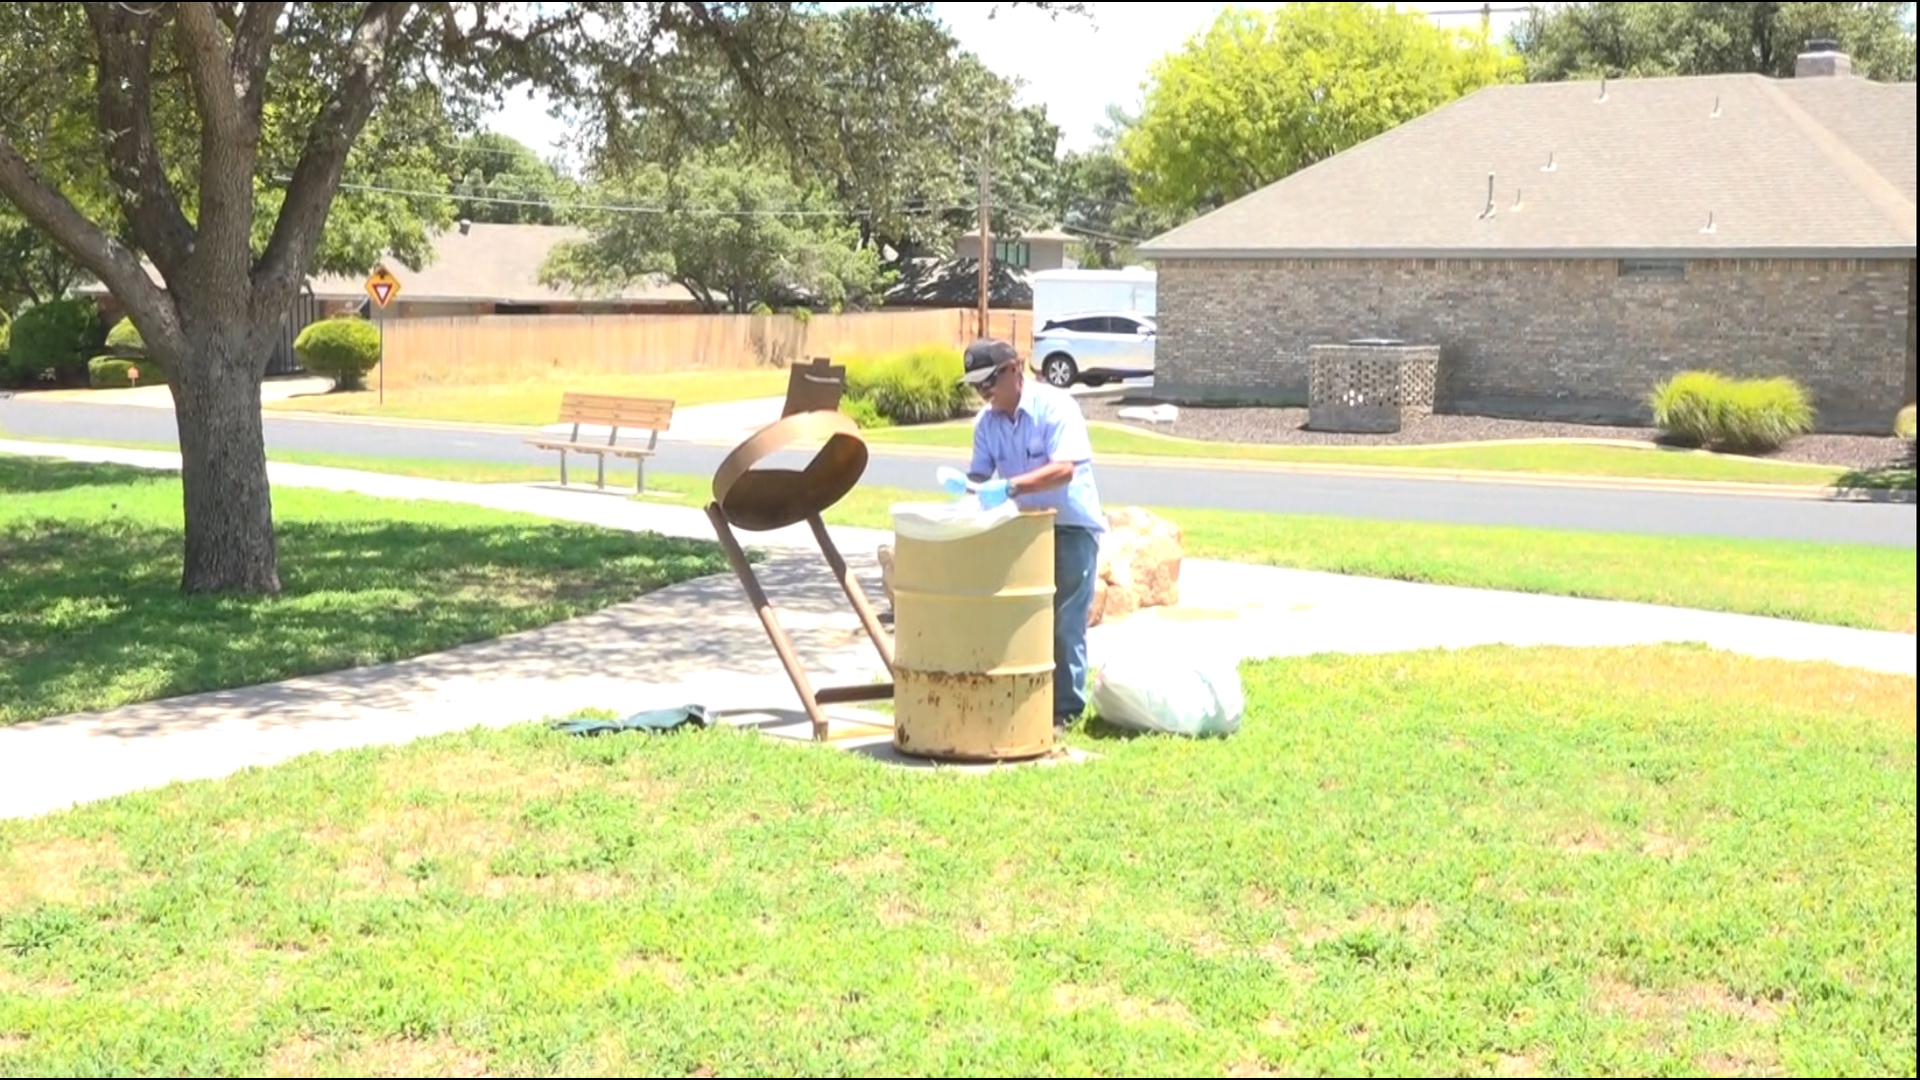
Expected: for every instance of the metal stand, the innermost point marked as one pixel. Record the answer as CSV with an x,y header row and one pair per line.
x,y
764,500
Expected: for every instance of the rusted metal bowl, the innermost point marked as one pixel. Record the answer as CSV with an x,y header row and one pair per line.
x,y
762,500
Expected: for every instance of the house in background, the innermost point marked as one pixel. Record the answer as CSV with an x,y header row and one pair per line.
x,y
1046,249
954,281
486,269
1570,245
477,269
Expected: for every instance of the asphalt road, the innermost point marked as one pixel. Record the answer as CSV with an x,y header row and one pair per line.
x,y
1451,501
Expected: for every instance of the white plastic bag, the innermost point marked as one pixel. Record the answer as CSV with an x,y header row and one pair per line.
x,y
955,520
1173,692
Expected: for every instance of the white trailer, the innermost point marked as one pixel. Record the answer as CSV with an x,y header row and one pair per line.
x,y
1059,293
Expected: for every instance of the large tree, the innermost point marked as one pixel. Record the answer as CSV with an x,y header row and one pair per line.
x,y
734,234
1263,94
199,116
887,113
1589,40
1097,202
499,179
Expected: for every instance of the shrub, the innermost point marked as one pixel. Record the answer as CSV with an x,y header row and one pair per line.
x,y
113,372
919,386
1702,408
863,413
344,349
1902,423
60,335
124,340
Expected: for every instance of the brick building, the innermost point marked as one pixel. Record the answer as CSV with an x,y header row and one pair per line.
x,y
1568,245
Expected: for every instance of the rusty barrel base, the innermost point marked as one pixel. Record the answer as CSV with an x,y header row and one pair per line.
x,y
969,759
963,716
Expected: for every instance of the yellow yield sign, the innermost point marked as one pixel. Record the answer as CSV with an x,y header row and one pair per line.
x,y
382,287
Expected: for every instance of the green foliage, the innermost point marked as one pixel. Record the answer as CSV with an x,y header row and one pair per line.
x,y
1703,408
114,372
59,335
919,386
496,178
33,269
1097,200
1263,94
124,339
864,413
739,236
6,342
1903,423
1591,40
343,348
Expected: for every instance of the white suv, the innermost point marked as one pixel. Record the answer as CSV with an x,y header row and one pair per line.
x,y
1094,347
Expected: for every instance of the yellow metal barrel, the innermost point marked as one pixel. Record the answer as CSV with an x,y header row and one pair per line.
x,y
973,642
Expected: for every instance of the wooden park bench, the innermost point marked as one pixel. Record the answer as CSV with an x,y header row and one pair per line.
x,y
616,414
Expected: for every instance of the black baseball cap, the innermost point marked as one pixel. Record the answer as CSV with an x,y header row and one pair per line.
x,y
986,356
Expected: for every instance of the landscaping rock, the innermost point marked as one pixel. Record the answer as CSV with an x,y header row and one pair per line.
x,y
1139,565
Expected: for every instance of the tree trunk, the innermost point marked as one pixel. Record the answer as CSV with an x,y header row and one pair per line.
x,y
223,464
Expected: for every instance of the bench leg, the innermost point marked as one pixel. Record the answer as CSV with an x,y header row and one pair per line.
x,y
601,479
640,476
563,468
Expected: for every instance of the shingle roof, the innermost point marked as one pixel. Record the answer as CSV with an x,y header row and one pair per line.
x,y
1809,167
488,263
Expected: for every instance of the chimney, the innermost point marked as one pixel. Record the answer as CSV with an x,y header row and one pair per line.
x,y
1822,60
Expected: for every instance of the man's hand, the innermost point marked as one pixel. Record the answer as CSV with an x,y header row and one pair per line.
x,y
953,481
993,493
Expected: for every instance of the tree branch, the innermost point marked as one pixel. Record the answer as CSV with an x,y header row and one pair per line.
x,y
229,139
296,234
54,214
125,101
252,46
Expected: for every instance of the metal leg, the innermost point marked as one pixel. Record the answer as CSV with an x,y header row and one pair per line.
x,y
640,476
563,468
601,477
855,593
782,645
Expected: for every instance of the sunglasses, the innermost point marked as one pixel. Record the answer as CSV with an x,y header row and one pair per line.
x,y
985,386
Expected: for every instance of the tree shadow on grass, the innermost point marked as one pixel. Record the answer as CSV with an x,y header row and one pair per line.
x,y
92,616
41,476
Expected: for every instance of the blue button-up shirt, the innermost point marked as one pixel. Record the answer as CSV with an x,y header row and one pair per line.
x,y
1047,427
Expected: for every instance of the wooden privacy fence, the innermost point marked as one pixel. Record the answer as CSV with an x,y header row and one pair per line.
x,y
490,349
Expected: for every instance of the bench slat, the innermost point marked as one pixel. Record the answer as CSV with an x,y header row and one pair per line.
x,y
650,414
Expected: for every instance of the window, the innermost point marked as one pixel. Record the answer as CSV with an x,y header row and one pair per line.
x,y
1014,253
1653,269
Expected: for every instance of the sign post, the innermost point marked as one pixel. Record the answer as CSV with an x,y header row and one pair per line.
x,y
382,287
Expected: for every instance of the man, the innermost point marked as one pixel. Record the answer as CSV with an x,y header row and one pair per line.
x,y
1033,438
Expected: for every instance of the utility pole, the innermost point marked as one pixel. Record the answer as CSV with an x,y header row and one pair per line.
x,y
986,237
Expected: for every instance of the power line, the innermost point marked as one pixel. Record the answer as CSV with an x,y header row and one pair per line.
x,y
627,208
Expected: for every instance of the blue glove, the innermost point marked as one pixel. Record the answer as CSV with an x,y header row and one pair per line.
x,y
953,481
992,494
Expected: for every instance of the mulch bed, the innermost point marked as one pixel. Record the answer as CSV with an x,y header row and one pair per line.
x,y
1288,427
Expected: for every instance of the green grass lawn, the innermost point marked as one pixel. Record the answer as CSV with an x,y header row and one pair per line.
x,y
1657,861
536,404
1563,459
91,615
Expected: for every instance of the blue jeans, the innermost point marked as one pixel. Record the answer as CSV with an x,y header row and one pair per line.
x,y
1076,561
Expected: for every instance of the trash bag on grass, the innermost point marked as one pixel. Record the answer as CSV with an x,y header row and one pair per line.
x,y
1169,693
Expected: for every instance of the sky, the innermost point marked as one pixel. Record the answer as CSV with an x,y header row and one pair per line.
x,y
1076,66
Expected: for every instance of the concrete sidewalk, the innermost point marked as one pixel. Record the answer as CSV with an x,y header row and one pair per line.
x,y
701,642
